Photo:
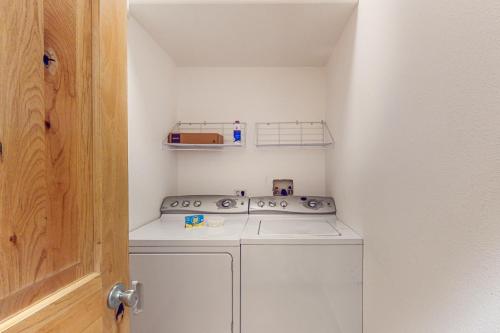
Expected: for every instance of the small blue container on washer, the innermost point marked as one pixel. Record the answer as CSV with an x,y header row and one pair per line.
x,y
194,221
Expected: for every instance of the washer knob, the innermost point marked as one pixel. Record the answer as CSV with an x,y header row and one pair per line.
x,y
197,203
283,204
312,204
185,203
174,204
226,203
261,203
272,203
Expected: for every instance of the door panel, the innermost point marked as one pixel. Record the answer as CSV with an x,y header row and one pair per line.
x,y
47,161
68,129
24,191
67,311
63,164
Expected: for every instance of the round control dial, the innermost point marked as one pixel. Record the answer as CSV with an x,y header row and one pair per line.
x,y
283,204
185,203
226,203
261,203
174,204
313,204
272,203
197,203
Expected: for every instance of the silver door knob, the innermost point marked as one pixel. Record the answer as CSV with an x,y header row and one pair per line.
x,y
119,294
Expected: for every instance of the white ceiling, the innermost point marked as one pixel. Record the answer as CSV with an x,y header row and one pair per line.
x,y
245,33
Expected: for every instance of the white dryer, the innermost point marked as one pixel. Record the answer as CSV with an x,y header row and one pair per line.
x,y
188,280
301,269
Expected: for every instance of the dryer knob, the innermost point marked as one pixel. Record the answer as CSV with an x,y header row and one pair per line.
x,y
197,203
185,203
174,204
272,203
261,203
283,204
226,203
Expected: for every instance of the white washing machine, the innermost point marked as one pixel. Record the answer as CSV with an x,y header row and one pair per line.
x,y
188,280
301,269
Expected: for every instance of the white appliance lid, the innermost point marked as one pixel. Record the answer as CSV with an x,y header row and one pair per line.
x,y
297,230
169,230
297,226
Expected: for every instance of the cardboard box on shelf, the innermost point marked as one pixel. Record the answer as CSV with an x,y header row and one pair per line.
x,y
196,138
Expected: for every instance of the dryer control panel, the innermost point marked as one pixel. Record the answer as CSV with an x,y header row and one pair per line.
x,y
292,205
204,204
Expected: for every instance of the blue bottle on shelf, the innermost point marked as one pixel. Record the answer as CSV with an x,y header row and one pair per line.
x,y
237,132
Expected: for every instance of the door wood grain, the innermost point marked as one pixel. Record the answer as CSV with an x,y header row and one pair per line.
x,y
46,210
63,164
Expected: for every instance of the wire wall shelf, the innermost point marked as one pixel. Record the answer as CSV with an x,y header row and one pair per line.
x,y
293,134
225,129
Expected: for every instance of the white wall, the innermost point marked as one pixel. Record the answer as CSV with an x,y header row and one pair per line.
x,y
250,95
152,111
415,106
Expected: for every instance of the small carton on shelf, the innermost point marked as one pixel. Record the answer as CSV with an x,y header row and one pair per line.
x,y
196,138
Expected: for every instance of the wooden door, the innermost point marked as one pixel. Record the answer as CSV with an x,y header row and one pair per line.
x,y
63,164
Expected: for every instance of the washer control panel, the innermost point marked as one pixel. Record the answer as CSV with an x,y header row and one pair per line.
x,y
208,204
292,205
